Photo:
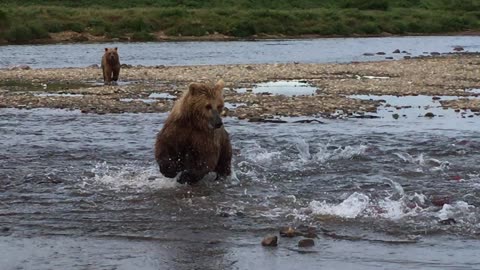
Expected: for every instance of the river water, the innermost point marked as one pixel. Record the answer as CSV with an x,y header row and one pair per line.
x,y
328,50
82,191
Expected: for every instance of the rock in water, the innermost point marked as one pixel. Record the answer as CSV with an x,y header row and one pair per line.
x,y
448,221
306,243
270,241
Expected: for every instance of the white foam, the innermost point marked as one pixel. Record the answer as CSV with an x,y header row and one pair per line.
x,y
431,164
347,152
303,149
131,177
458,208
261,156
393,206
351,207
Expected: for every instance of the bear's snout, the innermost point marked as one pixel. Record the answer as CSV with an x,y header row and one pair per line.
x,y
217,120
219,124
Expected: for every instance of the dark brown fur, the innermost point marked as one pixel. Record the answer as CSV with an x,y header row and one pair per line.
x,y
193,140
110,65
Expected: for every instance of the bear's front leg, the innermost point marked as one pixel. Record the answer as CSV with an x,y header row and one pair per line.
x,y
116,72
224,164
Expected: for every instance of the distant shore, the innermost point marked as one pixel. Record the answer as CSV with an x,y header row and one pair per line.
x,y
70,37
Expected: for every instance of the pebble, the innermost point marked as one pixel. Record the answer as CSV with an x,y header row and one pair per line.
x,y
270,241
306,243
288,232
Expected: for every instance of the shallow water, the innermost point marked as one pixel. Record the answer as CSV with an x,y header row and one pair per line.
x,y
327,50
81,190
287,88
418,106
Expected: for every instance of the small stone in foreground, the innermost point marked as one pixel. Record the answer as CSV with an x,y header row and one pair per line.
x,y
448,221
288,232
270,241
396,51
306,243
429,114
395,116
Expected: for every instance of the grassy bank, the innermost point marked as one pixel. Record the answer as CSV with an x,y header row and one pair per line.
x,y
30,20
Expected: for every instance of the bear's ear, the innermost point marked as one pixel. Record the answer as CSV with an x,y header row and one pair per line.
x,y
106,49
116,49
219,85
194,89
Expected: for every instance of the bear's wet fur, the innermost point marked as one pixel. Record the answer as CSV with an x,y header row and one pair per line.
x,y
193,140
110,65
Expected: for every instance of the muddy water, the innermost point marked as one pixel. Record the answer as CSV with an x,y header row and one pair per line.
x,y
328,50
82,192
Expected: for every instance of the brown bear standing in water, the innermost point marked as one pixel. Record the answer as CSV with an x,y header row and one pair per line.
x,y
110,65
193,141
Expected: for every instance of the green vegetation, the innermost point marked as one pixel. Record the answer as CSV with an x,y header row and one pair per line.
x,y
27,20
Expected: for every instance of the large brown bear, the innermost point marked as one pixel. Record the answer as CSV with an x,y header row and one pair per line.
x,y
193,141
110,65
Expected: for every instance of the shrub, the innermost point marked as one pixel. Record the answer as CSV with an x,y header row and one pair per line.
x,y
24,33
366,4
142,36
243,29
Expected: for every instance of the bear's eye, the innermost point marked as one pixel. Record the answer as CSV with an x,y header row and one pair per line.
x,y
208,107
220,107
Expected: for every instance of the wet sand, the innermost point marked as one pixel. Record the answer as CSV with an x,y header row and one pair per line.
x,y
82,89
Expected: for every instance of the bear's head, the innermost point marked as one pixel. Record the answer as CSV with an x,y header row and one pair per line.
x,y
111,54
202,105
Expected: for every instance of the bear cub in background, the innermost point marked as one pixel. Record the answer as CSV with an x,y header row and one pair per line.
x,y
110,65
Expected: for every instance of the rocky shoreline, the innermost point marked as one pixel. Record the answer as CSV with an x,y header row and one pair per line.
x,y
153,89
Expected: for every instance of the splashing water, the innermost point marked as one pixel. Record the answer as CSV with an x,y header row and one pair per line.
x,y
131,177
325,152
457,209
303,149
351,207
394,206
